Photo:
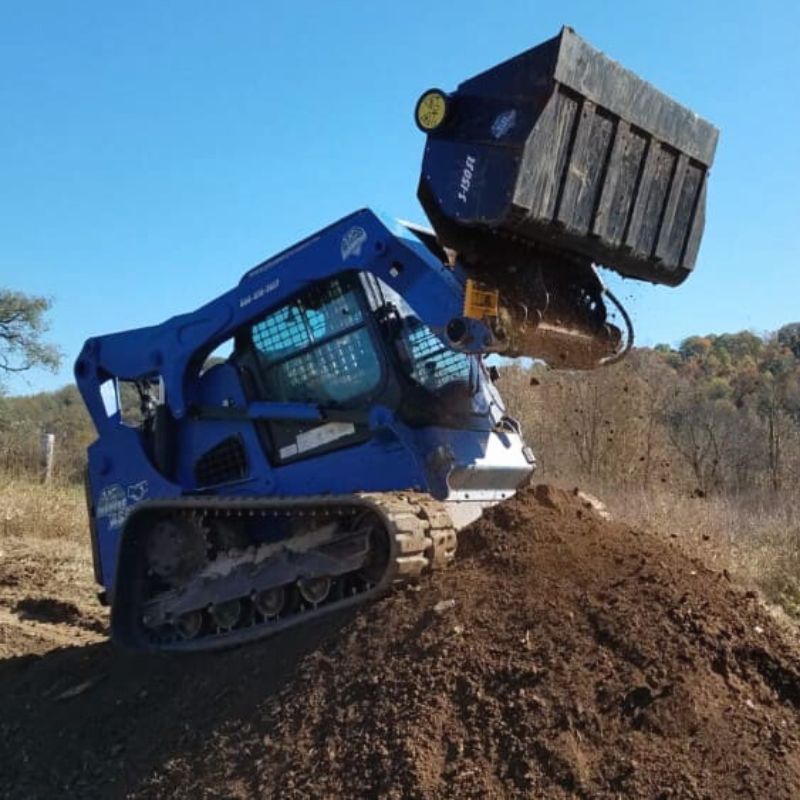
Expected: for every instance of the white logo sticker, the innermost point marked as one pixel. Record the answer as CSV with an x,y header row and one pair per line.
x,y
137,491
352,242
466,178
503,123
112,504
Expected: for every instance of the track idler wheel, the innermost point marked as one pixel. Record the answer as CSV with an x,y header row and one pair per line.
x,y
270,602
188,625
226,615
314,590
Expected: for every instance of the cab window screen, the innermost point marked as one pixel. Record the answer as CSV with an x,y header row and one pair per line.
x,y
432,364
318,349
320,313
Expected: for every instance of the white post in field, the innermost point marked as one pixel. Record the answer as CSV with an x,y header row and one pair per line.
x,y
48,453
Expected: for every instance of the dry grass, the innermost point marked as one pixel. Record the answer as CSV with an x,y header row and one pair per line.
x,y
31,510
755,538
44,543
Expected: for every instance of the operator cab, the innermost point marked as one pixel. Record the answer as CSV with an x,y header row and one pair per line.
x,y
346,345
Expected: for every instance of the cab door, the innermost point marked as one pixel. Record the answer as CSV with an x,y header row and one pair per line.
x,y
320,348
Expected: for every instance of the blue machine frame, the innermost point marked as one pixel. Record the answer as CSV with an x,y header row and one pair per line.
x,y
467,466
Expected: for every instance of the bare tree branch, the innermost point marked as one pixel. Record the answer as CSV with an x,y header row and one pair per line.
x,y
23,324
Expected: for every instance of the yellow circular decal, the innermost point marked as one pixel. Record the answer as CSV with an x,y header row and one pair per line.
x,y
431,110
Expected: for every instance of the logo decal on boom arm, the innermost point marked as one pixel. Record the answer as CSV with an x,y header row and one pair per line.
x,y
353,242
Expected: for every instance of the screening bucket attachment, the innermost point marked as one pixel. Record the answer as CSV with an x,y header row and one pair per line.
x,y
563,148
548,164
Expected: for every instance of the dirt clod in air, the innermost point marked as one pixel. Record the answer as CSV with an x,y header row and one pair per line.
x,y
574,657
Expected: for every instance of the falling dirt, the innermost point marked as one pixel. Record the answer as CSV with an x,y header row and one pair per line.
x,y
563,656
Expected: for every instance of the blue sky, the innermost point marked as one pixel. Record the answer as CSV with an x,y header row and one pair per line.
x,y
151,152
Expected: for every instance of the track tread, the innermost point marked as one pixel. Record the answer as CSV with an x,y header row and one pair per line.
x,y
422,535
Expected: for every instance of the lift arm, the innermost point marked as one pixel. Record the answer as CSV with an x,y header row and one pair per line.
x,y
360,242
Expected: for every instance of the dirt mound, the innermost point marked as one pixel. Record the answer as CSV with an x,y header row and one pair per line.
x,y
563,656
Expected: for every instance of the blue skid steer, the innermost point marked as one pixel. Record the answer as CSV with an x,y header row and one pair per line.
x,y
353,425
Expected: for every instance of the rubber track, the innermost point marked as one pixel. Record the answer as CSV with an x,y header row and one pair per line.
x,y
420,529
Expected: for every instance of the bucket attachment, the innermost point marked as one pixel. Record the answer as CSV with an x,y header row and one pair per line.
x,y
568,159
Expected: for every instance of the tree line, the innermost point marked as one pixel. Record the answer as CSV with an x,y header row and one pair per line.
x,y
718,414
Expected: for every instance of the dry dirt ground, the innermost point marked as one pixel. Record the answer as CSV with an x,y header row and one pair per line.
x,y
563,656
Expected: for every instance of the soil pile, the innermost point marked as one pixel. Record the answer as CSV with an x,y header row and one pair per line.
x,y
562,656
